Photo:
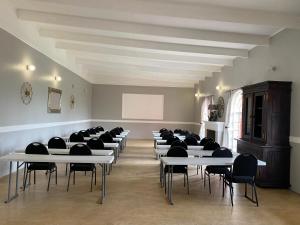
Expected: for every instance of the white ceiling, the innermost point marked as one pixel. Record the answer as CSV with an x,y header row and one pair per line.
x,y
152,43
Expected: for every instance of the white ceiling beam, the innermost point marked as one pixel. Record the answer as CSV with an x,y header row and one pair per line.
x,y
151,63
78,48
145,31
127,68
162,10
138,44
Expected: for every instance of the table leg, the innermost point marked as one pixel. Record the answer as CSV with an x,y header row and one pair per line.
x,y
103,183
171,185
9,197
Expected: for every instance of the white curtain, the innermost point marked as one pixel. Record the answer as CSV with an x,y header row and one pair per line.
x,y
233,119
204,116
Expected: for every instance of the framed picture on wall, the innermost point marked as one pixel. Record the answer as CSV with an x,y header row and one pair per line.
x,y
54,100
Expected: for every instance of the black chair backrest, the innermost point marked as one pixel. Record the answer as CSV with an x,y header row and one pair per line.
x,y
177,131
245,165
36,148
166,135
162,130
121,128
117,130
205,140
185,133
113,133
171,139
57,142
191,141
80,149
180,144
222,153
84,133
95,143
106,137
99,128
211,145
177,151
91,131
196,136
76,137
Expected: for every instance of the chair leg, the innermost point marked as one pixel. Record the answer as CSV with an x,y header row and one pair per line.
x,y
95,176
246,189
69,180
74,177
66,169
165,183
56,175
24,176
25,180
197,170
188,183
209,187
34,177
204,179
231,193
50,173
183,180
223,187
255,193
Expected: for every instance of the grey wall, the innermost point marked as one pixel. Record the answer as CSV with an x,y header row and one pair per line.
x,y
284,54
178,107
14,57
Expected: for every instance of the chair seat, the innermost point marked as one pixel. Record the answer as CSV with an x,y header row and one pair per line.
x,y
177,169
41,166
239,179
82,167
217,169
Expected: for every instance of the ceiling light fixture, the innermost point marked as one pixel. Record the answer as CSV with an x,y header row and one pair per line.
x,y
57,78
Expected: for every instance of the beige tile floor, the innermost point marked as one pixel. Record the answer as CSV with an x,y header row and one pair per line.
x,y
135,198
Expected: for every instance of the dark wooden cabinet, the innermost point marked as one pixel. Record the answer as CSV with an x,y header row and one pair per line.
x,y
266,130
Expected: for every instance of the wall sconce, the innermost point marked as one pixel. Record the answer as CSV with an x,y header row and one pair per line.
x,y
219,88
197,95
57,78
30,67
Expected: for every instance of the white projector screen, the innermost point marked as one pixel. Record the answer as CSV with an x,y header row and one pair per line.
x,y
141,106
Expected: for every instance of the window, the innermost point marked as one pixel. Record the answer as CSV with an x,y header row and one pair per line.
x,y
233,120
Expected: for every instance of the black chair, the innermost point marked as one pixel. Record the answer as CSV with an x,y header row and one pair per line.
x,y
205,140
179,143
196,136
76,137
57,142
166,135
171,139
113,133
91,131
84,133
178,151
106,137
81,149
211,145
121,128
191,141
38,149
162,130
220,170
244,171
177,131
95,143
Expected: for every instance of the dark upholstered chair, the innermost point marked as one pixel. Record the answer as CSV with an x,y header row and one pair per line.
x,y
191,141
38,149
76,137
84,133
211,145
220,170
171,139
99,129
196,136
95,143
80,150
178,151
91,131
57,142
244,171
106,137
205,140
179,143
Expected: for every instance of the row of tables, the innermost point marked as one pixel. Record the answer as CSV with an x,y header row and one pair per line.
x,y
104,158
195,158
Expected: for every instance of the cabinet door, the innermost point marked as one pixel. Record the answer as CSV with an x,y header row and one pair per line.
x,y
247,116
258,134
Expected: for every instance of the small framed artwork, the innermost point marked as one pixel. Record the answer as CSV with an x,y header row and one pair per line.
x,y
54,100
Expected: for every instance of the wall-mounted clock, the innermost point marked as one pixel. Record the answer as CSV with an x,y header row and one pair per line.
x,y
26,93
72,102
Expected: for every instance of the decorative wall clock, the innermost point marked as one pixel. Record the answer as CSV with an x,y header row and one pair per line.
x,y
72,102
26,93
